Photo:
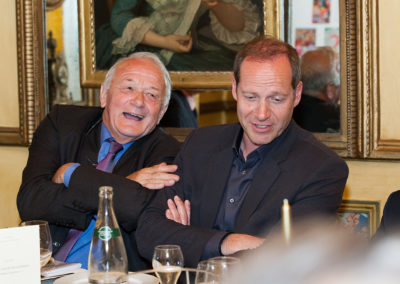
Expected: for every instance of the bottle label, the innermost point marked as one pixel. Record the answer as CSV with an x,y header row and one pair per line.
x,y
105,233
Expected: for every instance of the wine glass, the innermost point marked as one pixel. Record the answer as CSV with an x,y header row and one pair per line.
x,y
168,263
46,246
204,275
222,266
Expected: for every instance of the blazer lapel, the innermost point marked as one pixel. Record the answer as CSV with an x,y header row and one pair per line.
x,y
218,174
90,145
265,177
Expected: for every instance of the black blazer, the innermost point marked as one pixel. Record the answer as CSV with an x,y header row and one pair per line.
x,y
390,222
72,134
300,168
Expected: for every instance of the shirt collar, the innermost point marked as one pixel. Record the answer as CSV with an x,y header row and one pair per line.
x,y
105,134
261,151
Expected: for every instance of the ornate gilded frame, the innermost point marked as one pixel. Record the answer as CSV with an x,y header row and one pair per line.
x,y
353,42
91,77
357,207
374,144
31,90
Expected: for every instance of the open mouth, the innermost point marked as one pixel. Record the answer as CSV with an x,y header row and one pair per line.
x,y
133,116
261,126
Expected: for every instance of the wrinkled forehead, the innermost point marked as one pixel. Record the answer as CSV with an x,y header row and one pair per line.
x,y
140,70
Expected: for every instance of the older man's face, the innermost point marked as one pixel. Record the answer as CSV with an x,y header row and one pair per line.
x,y
134,104
265,100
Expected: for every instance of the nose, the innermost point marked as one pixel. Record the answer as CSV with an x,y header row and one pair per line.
x,y
137,98
263,111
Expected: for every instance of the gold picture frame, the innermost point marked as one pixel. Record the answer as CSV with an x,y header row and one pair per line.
x,y
31,87
92,77
361,217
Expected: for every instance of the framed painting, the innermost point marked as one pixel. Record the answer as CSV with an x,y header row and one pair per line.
x,y
23,94
360,217
197,49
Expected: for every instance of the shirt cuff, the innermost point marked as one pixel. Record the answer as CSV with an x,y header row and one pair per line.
x,y
68,173
213,246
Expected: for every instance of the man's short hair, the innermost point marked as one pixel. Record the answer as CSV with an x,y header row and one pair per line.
x,y
319,68
142,55
264,48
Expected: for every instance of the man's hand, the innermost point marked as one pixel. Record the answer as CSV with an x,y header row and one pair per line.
x,y
238,242
156,177
178,211
59,175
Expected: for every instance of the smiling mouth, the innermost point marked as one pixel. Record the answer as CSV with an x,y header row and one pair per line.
x,y
261,126
133,116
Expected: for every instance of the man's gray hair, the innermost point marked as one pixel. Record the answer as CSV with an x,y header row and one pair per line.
x,y
319,68
142,55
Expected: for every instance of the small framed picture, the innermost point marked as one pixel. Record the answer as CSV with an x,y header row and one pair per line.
x,y
360,217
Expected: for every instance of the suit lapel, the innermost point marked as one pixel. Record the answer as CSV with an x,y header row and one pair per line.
x,y
265,177
213,191
90,145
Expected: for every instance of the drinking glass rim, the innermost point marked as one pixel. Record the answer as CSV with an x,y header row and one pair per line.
x,y
227,259
167,247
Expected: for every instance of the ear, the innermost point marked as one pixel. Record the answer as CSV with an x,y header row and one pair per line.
x,y
162,112
299,89
234,88
103,96
331,92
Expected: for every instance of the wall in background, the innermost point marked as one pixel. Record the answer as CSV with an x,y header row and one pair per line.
x,y
368,180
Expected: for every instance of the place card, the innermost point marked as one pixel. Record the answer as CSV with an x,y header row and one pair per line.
x,y
20,255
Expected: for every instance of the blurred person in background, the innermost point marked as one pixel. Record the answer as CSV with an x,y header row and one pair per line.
x,y
318,110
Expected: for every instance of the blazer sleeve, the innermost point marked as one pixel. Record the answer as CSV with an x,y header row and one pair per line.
x,y
321,193
38,196
154,229
390,222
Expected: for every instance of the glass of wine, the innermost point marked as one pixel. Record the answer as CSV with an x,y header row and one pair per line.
x,y
167,263
46,246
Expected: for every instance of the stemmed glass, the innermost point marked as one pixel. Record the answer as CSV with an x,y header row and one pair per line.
x,y
168,263
46,246
204,275
222,266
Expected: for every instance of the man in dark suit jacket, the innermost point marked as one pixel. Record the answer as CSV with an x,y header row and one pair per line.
x,y
234,177
60,182
390,222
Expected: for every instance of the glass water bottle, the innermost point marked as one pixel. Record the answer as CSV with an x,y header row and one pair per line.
x,y
107,257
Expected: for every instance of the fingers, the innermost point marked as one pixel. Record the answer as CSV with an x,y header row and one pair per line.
x,y
162,168
156,177
169,215
181,210
157,184
187,207
178,211
173,211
